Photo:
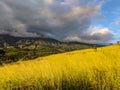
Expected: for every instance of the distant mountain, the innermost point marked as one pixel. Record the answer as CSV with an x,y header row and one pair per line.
x,y
8,40
25,41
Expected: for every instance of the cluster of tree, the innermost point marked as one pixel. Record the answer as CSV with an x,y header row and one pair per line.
x,y
8,55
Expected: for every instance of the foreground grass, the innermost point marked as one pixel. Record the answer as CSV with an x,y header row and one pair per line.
x,y
77,70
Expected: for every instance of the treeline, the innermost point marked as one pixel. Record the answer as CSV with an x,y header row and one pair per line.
x,y
8,55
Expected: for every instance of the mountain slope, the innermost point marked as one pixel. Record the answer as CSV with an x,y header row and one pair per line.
x,y
28,41
15,41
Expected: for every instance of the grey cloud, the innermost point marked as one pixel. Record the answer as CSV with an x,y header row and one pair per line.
x,y
50,18
94,35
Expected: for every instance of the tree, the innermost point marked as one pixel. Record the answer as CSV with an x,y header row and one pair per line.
x,y
95,48
2,52
35,49
118,42
110,43
2,55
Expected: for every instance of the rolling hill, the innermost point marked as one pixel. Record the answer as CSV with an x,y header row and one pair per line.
x,y
90,69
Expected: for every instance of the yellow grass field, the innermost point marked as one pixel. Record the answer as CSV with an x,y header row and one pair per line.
x,y
78,70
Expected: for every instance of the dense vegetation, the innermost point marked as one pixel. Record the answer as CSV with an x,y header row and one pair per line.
x,y
14,54
91,69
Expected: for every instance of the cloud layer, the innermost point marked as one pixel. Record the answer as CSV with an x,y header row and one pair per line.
x,y
62,20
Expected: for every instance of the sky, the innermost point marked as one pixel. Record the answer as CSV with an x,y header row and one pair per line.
x,y
111,18
89,21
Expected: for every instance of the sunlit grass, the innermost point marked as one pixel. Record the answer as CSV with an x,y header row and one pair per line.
x,y
77,70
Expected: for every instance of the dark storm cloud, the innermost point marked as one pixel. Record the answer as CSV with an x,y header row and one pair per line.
x,y
68,20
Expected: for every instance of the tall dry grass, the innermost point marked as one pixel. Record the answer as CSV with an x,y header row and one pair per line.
x,y
77,70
